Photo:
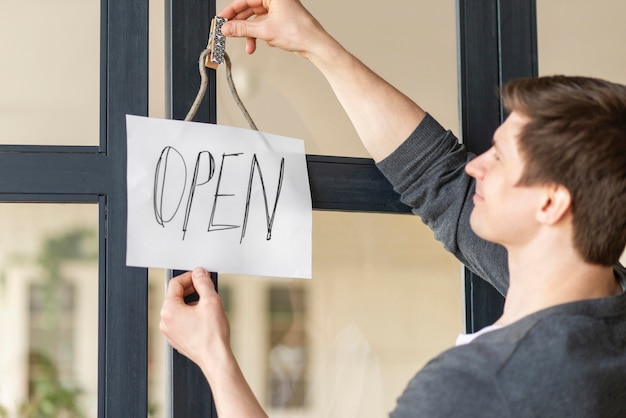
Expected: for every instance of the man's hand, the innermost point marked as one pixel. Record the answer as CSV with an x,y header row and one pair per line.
x,y
196,330
283,24
382,116
200,331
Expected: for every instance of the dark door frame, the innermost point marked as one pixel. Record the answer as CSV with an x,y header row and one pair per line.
x,y
497,42
97,175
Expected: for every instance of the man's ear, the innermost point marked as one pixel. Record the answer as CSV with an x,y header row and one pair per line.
x,y
555,205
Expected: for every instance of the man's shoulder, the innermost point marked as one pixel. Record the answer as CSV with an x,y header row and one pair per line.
x,y
559,335
567,360
459,382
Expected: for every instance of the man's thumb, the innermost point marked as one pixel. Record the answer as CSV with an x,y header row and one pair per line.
x,y
235,29
202,281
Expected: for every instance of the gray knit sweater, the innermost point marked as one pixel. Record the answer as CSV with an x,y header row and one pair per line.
x,y
564,361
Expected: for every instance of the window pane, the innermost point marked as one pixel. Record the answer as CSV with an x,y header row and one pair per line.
x,y
49,310
579,37
50,72
157,363
286,95
384,299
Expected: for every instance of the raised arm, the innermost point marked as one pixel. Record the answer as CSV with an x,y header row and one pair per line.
x,y
428,170
382,116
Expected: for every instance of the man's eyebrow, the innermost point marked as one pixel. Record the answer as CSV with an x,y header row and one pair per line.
x,y
495,145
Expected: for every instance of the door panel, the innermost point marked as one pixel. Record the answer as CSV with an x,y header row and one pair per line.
x,y
49,309
50,73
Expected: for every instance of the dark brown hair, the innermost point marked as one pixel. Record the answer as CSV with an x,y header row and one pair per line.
x,y
576,137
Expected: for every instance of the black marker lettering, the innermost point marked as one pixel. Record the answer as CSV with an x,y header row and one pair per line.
x,y
195,184
213,226
269,219
160,177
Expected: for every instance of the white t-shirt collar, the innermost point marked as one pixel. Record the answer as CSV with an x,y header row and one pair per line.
x,y
463,339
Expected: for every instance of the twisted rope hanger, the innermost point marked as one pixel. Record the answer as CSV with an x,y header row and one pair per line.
x,y
204,80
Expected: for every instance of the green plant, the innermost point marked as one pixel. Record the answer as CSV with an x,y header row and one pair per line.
x,y
49,396
77,244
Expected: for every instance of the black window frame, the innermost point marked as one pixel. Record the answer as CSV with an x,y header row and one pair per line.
x,y
97,175
497,42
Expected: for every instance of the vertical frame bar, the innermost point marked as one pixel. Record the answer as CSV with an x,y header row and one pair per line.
x,y
102,240
187,32
497,42
190,393
125,308
98,174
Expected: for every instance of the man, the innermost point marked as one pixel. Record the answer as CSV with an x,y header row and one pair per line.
x,y
546,210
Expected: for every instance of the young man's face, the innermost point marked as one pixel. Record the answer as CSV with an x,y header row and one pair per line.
x,y
504,212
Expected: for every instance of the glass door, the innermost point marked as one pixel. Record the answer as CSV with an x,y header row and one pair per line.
x,y
73,315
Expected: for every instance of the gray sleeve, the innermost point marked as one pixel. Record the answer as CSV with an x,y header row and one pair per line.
x,y
452,386
428,171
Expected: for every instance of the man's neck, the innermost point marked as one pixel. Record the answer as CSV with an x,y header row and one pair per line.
x,y
542,279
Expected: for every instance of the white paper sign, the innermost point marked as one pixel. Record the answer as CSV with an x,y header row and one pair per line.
x,y
230,200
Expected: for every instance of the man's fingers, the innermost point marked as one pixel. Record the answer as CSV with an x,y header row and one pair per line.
x,y
243,9
202,282
250,45
180,286
235,28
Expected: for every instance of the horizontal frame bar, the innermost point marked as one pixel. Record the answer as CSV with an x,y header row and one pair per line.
x,y
351,184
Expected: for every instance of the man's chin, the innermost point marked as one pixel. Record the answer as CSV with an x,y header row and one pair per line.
x,y
478,227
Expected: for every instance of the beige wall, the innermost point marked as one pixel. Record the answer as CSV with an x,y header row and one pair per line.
x,y
580,37
50,72
24,227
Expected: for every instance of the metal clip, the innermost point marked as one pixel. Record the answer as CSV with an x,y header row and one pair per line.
x,y
217,43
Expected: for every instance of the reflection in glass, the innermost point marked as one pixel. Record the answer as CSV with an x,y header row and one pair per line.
x,y
384,299
48,310
286,95
50,72
157,402
288,351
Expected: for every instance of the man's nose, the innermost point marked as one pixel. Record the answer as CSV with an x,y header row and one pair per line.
x,y
475,168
